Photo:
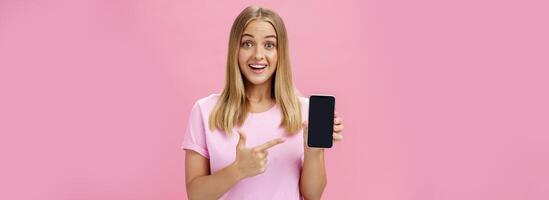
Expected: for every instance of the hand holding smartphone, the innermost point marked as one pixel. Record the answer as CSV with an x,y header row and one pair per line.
x,y
321,121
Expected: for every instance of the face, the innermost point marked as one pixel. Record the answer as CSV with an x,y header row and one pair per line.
x,y
257,53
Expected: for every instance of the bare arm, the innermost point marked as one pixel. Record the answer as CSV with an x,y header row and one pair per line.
x,y
203,185
313,175
249,162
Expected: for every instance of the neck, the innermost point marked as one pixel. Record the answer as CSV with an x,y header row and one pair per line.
x,y
259,93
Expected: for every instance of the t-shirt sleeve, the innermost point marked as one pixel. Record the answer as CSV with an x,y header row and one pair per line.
x,y
195,134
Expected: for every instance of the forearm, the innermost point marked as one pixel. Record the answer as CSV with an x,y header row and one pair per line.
x,y
313,175
215,185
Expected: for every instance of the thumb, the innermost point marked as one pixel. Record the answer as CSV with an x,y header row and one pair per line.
x,y
242,140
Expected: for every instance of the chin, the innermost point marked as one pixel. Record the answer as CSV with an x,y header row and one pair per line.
x,y
258,82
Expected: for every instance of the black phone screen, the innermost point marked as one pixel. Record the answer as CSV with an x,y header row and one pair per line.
x,y
321,121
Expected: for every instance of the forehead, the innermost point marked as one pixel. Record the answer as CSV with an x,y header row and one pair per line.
x,y
259,28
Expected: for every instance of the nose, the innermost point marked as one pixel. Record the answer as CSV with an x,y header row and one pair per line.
x,y
259,54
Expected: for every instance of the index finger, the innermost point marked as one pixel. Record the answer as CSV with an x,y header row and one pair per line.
x,y
269,144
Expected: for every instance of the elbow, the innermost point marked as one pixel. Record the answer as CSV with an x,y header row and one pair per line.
x,y
313,193
191,193
193,196
311,197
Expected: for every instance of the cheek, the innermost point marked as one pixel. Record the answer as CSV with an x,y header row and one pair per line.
x,y
242,58
273,58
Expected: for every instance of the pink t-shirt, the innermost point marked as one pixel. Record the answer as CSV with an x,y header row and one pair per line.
x,y
281,177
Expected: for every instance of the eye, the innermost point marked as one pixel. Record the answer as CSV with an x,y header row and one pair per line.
x,y
270,45
247,44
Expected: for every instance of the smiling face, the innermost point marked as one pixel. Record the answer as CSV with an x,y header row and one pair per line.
x,y
257,53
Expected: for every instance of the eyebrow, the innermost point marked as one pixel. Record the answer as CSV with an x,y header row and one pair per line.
x,y
268,36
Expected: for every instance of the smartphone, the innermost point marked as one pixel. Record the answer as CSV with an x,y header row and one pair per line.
x,y
321,121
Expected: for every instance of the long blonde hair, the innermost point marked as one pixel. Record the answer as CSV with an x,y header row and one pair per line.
x,y
232,107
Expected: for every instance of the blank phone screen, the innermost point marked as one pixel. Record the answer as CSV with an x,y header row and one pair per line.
x,y
321,121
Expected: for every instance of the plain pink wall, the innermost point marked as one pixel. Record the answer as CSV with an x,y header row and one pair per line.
x,y
441,100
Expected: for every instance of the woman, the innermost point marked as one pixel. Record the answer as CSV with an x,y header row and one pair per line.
x,y
249,141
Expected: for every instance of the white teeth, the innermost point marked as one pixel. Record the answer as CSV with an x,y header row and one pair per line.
x,y
258,66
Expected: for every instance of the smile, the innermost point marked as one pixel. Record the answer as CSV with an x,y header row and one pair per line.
x,y
258,68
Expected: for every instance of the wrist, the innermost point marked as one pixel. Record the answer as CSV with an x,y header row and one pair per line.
x,y
313,151
235,172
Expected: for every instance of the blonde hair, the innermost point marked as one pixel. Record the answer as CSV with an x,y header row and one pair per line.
x,y
232,107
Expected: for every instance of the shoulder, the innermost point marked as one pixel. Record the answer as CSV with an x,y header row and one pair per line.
x,y
208,100
304,107
206,104
304,101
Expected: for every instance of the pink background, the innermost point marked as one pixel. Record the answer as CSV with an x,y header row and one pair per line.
x,y
441,100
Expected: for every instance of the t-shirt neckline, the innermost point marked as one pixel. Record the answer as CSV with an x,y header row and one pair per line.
x,y
265,112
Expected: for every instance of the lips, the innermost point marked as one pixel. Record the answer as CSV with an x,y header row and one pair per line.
x,y
258,68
